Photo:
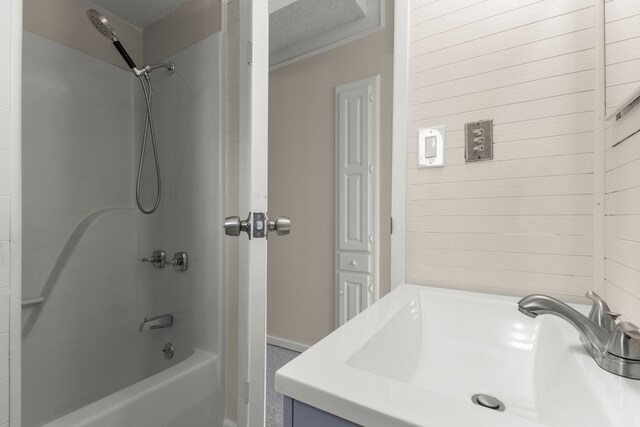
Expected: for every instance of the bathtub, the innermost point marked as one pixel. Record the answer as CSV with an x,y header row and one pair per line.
x,y
182,395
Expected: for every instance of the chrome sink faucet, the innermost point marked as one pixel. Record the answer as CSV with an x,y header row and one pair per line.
x,y
158,322
614,346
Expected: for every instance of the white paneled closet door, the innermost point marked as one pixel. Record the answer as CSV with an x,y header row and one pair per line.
x,y
357,118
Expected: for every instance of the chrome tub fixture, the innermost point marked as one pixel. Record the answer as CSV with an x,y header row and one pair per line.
x,y
158,322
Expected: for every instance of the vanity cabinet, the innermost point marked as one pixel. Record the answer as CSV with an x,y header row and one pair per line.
x,y
298,414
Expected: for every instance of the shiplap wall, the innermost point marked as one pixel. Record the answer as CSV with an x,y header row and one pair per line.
x,y
622,163
522,222
232,171
622,46
5,205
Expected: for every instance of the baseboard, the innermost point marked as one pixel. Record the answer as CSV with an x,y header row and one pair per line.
x,y
228,423
289,345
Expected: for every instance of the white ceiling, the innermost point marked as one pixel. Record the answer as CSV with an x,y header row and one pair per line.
x,y
305,19
300,28
296,27
139,12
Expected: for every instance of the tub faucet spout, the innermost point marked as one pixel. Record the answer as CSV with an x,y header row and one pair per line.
x,y
158,322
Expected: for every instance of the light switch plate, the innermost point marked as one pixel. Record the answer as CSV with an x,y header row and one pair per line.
x,y
479,141
431,147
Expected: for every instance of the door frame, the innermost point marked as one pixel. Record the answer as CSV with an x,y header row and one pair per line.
x,y
252,275
399,144
374,82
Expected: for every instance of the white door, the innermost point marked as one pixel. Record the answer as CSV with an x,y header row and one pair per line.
x,y
357,118
252,278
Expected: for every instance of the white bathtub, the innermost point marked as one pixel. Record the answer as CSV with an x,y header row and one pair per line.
x,y
183,395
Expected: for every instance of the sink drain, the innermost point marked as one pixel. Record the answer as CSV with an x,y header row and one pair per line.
x,y
487,401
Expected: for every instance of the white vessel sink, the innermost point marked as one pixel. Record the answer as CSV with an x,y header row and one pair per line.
x,y
420,354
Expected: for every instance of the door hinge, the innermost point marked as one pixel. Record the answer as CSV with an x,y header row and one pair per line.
x,y
246,392
249,53
391,225
370,98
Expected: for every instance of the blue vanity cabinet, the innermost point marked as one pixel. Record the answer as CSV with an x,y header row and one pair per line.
x,y
298,414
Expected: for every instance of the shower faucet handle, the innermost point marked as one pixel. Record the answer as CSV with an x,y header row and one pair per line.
x,y
180,261
157,259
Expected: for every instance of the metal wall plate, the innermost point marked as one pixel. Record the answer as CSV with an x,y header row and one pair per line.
x,y
479,141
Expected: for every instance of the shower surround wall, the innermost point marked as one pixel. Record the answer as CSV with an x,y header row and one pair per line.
x,y
87,118
79,223
522,222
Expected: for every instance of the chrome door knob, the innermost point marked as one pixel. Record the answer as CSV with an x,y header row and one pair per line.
x,y
233,226
282,225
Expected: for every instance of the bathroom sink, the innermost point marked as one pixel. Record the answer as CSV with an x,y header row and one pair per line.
x,y
419,355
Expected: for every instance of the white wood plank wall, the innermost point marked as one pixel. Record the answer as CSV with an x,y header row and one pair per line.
x,y
622,162
622,45
522,222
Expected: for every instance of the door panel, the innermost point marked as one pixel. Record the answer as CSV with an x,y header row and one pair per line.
x,y
357,117
353,137
353,290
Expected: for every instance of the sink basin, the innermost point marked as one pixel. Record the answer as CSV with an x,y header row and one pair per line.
x,y
420,354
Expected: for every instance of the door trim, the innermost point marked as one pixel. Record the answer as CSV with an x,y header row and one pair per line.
x,y
252,274
374,82
399,144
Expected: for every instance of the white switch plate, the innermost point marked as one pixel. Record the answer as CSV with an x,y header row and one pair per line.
x,y
426,136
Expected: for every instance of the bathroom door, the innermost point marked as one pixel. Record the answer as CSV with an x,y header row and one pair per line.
x,y
252,274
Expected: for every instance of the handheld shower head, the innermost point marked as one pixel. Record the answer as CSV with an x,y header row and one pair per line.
x,y
102,24
104,27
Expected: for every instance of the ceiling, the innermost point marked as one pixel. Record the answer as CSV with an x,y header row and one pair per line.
x,y
305,19
297,28
144,12
139,12
300,28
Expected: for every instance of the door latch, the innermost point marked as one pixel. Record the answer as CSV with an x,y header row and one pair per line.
x,y
257,225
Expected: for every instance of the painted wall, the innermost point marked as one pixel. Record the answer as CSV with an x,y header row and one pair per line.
x,y
189,23
301,273
523,221
622,162
65,22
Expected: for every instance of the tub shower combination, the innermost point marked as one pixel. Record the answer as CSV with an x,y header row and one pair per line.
x,y
110,333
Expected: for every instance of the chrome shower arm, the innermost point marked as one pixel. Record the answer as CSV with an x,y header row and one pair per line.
x,y
169,66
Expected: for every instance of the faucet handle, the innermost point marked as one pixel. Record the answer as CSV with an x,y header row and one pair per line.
x,y
600,313
625,341
157,259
